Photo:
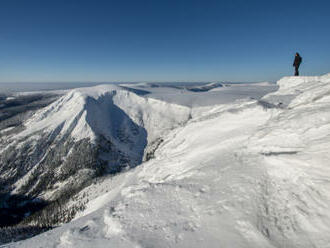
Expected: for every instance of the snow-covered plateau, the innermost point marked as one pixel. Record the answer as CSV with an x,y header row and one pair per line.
x,y
249,172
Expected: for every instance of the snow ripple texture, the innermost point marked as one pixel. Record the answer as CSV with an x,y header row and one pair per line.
x,y
246,174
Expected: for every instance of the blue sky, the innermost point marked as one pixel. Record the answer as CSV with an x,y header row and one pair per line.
x,y
174,40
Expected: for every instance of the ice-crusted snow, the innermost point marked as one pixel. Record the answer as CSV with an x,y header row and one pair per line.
x,y
252,173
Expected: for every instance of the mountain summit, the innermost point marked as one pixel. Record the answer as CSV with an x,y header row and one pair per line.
x,y
250,173
87,133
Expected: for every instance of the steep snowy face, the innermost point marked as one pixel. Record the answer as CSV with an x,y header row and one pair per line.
x,y
246,174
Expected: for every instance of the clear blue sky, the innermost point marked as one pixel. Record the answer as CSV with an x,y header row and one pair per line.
x,y
155,40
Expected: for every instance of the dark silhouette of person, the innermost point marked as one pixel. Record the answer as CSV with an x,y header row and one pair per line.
x,y
296,64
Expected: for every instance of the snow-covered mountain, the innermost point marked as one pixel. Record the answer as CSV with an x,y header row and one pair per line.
x,y
87,133
253,173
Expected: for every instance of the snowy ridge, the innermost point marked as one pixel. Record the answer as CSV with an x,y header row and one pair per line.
x,y
247,174
88,112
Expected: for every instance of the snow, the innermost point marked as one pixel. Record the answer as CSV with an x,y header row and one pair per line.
x,y
250,173
9,98
6,130
215,96
130,122
91,111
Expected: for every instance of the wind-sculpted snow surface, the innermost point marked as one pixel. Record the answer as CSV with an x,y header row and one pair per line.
x,y
247,174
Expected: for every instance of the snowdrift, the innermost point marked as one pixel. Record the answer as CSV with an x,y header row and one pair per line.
x,y
246,174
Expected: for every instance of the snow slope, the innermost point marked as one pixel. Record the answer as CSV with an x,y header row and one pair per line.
x,y
252,173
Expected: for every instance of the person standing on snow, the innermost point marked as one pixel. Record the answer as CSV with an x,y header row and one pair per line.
x,y
296,63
